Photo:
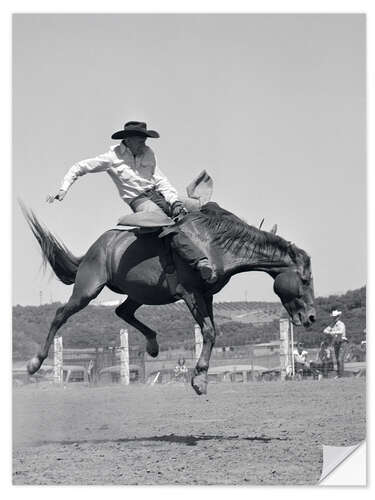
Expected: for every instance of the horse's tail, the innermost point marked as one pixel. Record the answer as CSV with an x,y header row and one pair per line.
x,y
62,261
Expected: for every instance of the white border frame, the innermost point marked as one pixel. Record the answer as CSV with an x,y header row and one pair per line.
x,y
201,6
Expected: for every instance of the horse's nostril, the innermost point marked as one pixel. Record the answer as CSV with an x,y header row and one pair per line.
x,y
312,318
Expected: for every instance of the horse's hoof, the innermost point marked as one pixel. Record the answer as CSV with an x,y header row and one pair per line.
x,y
33,365
152,348
199,384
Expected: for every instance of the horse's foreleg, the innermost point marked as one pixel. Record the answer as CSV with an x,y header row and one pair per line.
x,y
126,312
86,288
202,311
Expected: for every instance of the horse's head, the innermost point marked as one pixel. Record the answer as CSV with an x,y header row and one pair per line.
x,y
296,290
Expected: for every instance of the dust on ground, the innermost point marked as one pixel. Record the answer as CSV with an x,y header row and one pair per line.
x,y
256,433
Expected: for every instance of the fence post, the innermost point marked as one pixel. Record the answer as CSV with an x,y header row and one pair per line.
x,y
284,346
292,347
124,357
58,360
198,341
252,364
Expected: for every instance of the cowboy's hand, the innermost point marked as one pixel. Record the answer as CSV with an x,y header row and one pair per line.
x,y
59,196
178,209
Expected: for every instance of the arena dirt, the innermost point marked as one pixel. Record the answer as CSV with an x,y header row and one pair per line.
x,y
260,433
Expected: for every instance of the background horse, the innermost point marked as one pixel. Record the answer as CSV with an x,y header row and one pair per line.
x,y
148,271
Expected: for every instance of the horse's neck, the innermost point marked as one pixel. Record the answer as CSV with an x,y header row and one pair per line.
x,y
240,248
254,259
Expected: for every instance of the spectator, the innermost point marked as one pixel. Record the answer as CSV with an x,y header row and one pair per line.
x,y
300,360
181,371
90,371
320,366
336,336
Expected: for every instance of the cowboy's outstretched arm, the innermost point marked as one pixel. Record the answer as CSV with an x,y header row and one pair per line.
x,y
100,163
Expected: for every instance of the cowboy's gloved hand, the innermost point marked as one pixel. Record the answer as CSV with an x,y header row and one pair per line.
x,y
178,209
59,196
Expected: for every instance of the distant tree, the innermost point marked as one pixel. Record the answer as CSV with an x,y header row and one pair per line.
x,y
23,346
99,326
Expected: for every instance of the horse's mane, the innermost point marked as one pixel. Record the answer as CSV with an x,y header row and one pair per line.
x,y
232,233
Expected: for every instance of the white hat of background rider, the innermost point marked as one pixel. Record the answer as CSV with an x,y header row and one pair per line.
x,y
336,313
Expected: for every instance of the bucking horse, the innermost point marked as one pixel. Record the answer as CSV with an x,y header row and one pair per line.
x,y
143,266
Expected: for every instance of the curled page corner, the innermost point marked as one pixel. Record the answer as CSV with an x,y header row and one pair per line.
x,y
333,456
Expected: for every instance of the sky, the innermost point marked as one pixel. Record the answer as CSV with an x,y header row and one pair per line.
x,y
272,106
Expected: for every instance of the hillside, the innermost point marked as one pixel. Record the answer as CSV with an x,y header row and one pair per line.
x,y
238,323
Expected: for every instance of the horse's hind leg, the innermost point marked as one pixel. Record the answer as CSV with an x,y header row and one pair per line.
x,y
126,312
87,287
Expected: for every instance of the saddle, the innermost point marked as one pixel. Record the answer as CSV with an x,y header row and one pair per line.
x,y
147,220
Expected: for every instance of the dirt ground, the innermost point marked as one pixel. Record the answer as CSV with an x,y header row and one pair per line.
x,y
256,433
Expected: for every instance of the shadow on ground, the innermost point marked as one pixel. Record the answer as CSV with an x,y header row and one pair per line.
x,y
188,440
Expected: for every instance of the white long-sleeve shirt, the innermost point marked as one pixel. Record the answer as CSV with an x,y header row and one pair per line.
x,y
337,329
132,175
300,357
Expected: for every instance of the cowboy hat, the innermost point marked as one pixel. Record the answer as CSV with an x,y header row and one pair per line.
x,y
336,313
133,128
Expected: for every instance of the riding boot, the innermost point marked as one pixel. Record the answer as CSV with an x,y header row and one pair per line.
x,y
206,271
193,255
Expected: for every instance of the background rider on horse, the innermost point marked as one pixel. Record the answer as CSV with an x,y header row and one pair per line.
x,y
141,184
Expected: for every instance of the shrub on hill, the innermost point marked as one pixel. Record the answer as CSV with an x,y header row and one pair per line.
x,y
99,326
